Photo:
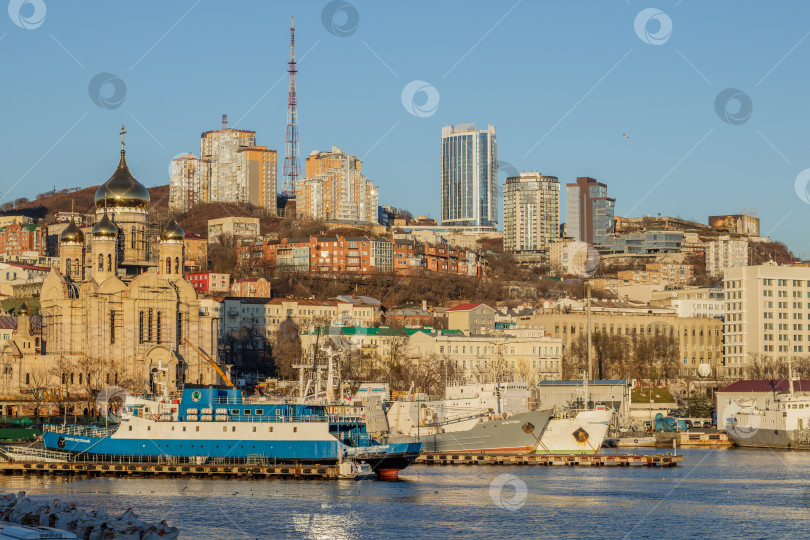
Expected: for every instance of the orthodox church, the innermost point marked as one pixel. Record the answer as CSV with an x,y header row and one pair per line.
x,y
108,303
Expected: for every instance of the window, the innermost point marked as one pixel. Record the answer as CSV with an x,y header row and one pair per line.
x,y
149,326
100,262
169,265
159,321
109,262
140,332
177,265
112,326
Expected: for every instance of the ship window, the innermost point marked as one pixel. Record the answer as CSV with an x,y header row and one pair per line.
x,y
224,428
259,412
247,412
295,430
184,428
235,412
130,428
198,428
233,428
172,428
271,429
254,429
148,428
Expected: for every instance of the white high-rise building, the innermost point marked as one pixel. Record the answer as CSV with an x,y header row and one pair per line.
x,y
725,253
469,176
531,212
220,148
188,182
766,316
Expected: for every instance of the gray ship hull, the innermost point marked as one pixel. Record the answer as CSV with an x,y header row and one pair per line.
x,y
494,436
771,438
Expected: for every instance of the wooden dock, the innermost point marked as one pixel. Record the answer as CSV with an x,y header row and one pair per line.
x,y
573,460
16,468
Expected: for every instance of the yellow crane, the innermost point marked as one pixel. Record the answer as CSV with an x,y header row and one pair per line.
x,y
210,361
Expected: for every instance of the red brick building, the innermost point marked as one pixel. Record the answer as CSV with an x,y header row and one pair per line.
x,y
16,239
359,255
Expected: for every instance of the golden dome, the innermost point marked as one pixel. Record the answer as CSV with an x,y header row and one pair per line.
x,y
172,232
72,233
122,190
105,228
23,309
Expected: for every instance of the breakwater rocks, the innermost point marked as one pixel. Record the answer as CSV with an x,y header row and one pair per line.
x,y
93,525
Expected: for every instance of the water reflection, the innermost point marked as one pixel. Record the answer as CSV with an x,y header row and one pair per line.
x,y
715,493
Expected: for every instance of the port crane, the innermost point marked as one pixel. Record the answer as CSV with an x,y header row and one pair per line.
x,y
210,361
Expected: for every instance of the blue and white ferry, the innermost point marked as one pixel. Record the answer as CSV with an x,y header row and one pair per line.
x,y
217,422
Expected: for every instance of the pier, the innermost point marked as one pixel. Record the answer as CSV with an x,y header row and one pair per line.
x,y
547,460
14,468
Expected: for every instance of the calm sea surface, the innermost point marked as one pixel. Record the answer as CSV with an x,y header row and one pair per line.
x,y
713,494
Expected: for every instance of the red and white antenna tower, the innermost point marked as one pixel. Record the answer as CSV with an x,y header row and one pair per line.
x,y
292,164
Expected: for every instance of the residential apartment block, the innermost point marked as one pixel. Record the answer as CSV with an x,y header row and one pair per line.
x,y
209,282
23,240
531,213
230,169
364,254
238,227
334,188
767,315
188,182
725,253
665,274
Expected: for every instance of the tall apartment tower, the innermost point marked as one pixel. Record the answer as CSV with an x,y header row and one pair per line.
x,y
220,149
256,169
335,188
531,212
188,182
469,176
589,211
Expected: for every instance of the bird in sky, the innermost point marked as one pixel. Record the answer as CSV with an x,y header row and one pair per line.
x,y
625,135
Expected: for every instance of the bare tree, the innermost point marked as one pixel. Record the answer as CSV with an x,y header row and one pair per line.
x,y
37,385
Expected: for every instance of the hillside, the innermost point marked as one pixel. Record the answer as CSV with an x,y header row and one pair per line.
x,y
47,204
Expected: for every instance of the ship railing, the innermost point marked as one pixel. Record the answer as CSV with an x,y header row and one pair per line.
x,y
132,459
86,431
22,453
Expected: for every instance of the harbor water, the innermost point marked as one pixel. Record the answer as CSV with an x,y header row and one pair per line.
x,y
714,493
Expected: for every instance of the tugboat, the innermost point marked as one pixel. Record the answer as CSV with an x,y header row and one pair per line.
x,y
215,422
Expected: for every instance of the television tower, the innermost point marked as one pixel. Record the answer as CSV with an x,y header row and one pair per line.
x,y
292,164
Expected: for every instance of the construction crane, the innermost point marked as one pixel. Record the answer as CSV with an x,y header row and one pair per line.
x,y
210,361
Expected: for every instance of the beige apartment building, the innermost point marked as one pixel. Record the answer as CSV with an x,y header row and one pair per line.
x,y
767,314
531,213
256,169
471,318
700,339
334,188
238,227
188,182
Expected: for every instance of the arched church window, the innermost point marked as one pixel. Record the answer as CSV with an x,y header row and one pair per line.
x,y
159,321
100,262
112,327
168,265
140,333
78,268
109,262
177,265
132,237
150,318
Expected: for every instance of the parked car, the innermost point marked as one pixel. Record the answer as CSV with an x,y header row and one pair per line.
x,y
688,424
707,423
678,413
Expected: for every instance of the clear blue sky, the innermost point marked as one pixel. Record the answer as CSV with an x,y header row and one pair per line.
x,y
561,81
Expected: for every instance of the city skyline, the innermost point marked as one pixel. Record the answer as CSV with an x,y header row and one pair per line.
x,y
638,113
